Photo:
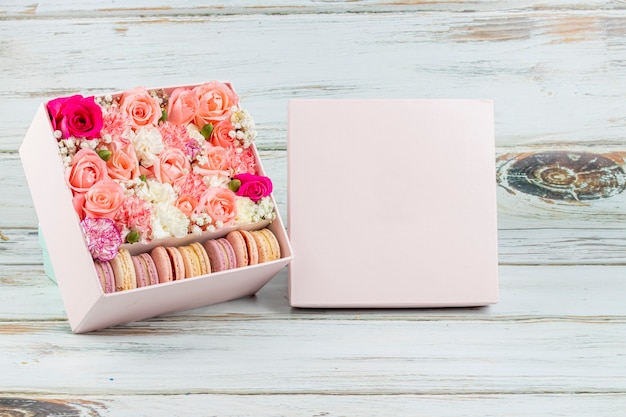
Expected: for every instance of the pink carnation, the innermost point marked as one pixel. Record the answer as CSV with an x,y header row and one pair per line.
x,y
191,185
134,214
103,238
116,125
176,136
243,162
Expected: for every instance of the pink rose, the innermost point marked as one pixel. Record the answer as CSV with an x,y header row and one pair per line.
x,y
255,187
123,164
103,199
216,100
76,116
220,135
187,204
141,107
219,203
87,169
216,162
171,165
182,106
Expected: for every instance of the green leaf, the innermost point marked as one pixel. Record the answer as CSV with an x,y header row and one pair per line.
x,y
132,237
163,116
105,154
207,130
234,185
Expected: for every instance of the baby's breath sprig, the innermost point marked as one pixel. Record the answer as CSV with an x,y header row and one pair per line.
x,y
244,127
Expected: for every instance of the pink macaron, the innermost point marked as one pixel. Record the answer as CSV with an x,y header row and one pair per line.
x,y
244,246
105,275
221,254
145,270
169,263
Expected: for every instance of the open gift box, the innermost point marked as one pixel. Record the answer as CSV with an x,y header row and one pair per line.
x,y
392,203
84,230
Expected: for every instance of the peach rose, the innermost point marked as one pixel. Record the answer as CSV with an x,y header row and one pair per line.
x,y
216,100
103,199
182,106
141,107
220,135
219,203
171,165
87,169
215,162
79,202
187,204
123,164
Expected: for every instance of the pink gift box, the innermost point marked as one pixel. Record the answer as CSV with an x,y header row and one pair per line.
x,y
392,203
88,307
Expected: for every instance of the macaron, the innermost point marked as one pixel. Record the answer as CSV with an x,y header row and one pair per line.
x,y
205,262
169,263
191,261
221,254
274,245
124,271
145,270
244,246
106,276
266,242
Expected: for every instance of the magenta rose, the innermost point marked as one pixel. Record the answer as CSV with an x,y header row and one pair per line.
x,y
76,116
255,187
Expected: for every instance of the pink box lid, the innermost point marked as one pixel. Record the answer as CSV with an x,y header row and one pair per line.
x,y
392,203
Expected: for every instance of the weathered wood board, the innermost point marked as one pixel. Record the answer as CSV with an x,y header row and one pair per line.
x,y
555,343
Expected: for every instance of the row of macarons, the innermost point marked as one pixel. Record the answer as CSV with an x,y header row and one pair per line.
x,y
237,249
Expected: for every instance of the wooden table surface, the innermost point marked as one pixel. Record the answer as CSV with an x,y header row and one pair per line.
x,y
554,345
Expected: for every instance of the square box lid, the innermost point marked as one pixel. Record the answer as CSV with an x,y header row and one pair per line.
x,y
392,203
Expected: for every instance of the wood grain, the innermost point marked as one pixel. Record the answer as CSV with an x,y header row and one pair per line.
x,y
554,345
315,405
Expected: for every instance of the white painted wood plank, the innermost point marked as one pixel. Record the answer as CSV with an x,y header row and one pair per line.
x,y
528,61
63,8
571,405
559,294
316,356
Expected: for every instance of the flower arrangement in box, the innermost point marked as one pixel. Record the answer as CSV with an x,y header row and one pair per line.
x,y
150,164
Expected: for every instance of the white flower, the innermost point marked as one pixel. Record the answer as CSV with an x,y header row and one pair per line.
x,y
249,212
265,209
194,133
244,126
245,210
167,221
216,180
157,193
148,144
